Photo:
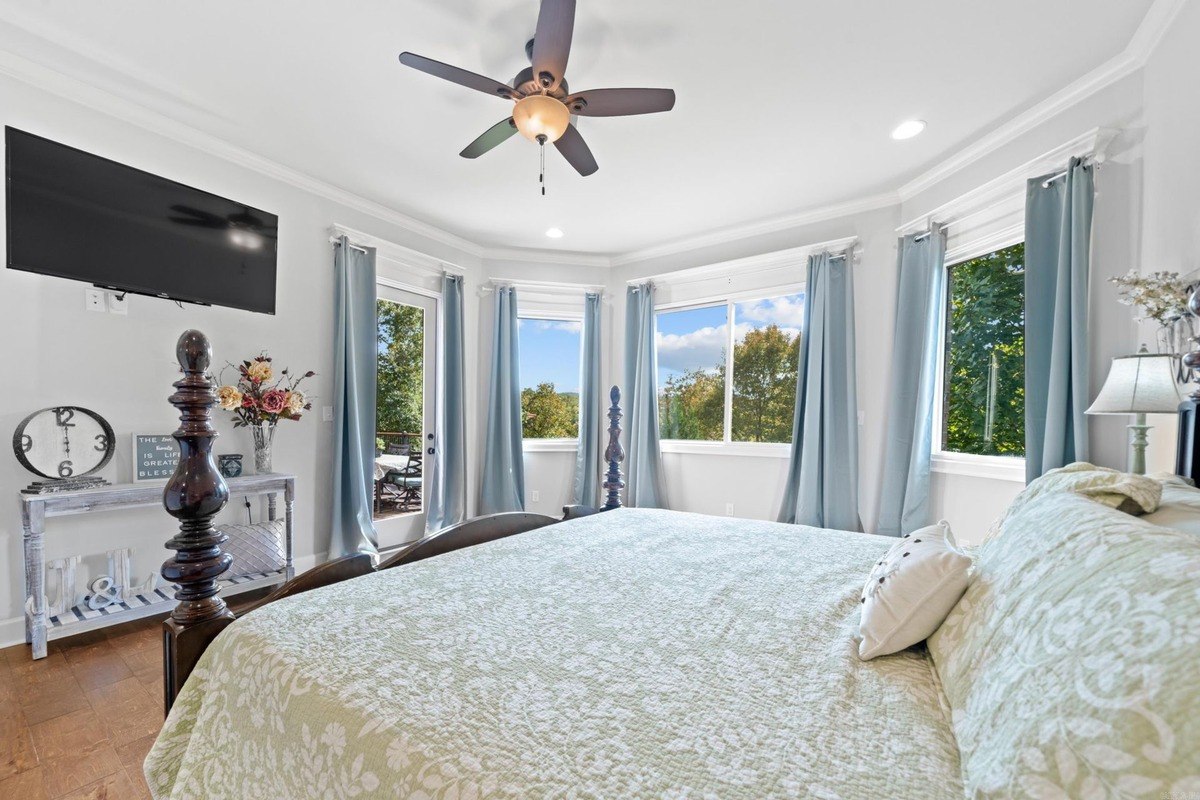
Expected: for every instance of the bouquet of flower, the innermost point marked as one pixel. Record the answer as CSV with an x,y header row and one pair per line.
x,y
255,400
1161,296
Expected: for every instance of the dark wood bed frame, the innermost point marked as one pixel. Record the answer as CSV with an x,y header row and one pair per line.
x,y
197,492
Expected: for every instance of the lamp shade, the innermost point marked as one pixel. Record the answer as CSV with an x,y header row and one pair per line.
x,y
1139,384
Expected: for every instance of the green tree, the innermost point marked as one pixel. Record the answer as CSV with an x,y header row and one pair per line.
x,y
985,355
549,414
764,385
692,405
400,362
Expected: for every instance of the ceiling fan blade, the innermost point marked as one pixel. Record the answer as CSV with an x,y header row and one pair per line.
x,y
460,76
576,152
552,41
198,213
490,138
199,223
620,102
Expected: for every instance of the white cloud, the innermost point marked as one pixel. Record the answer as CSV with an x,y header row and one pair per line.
x,y
698,349
568,326
786,312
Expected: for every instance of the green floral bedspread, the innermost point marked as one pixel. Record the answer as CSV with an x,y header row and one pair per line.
x,y
631,654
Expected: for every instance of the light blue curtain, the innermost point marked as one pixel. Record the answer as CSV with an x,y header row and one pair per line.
x,y
447,501
822,482
354,363
920,299
587,457
644,483
503,487
1058,244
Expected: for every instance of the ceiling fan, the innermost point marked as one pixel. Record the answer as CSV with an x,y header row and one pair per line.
x,y
543,103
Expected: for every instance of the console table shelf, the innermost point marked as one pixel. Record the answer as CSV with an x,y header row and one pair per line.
x,y
36,508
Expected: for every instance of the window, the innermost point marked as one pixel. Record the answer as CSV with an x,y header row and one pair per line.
x,y
983,398
693,347
400,393
549,377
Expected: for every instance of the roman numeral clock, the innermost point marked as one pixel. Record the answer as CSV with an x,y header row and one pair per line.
x,y
65,445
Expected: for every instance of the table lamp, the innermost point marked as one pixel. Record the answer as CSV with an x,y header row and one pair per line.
x,y
1139,384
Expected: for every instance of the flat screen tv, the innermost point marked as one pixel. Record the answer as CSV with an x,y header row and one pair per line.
x,y
75,215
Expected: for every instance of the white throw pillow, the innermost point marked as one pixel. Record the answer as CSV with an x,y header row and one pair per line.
x,y
911,590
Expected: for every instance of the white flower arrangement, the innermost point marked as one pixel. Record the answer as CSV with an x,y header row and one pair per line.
x,y
1161,296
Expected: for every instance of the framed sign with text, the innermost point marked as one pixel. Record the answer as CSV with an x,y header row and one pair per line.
x,y
155,456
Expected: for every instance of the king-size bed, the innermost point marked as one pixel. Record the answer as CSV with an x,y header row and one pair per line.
x,y
646,653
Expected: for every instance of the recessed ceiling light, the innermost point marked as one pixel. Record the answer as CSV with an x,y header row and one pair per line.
x,y
909,129
554,233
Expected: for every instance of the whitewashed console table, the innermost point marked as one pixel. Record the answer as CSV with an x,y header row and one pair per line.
x,y
35,508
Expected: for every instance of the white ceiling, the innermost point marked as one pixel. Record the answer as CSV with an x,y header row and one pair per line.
x,y
782,106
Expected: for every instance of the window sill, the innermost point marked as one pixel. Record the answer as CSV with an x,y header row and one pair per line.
x,y
550,445
1000,468
759,449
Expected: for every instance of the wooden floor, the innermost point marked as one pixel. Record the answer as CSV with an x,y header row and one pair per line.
x,y
78,723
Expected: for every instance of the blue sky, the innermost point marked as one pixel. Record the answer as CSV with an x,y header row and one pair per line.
x,y
549,352
694,338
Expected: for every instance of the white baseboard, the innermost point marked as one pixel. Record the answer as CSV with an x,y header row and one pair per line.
x,y
12,630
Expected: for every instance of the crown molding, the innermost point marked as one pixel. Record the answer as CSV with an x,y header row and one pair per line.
x,y
772,225
562,258
117,107
1147,36
398,253
955,211
750,265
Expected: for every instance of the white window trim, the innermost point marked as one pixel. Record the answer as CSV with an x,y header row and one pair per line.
x,y
550,445
948,462
709,448
1001,468
727,447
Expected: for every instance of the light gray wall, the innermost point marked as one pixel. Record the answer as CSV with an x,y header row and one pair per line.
x,y
1170,231
54,352
754,484
700,482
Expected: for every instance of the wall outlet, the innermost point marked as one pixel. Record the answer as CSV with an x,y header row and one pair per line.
x,y
326,413
729,509
534,496
94,300
118,303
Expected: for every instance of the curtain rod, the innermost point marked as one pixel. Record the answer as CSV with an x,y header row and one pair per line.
x,y
920,237
353,246
1090,162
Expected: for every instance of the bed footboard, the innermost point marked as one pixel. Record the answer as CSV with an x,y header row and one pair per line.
x,y
197,492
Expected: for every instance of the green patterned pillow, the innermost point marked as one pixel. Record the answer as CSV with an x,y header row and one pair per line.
x,y
1072,663
1133,494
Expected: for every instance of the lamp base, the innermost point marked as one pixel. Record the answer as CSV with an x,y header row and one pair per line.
x,y
1137,444
1187,449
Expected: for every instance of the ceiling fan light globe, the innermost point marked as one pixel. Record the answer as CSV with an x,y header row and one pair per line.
x,y
541,115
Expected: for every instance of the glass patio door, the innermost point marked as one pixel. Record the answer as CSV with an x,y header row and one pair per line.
x,y
404,412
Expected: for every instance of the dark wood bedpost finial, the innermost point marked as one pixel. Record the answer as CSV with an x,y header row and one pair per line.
x,y
614,454
194,495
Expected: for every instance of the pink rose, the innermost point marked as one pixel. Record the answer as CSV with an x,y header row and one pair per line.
x,y
248,401
274,401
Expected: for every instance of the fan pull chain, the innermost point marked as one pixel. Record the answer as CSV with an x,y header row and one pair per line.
x,y
542,163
